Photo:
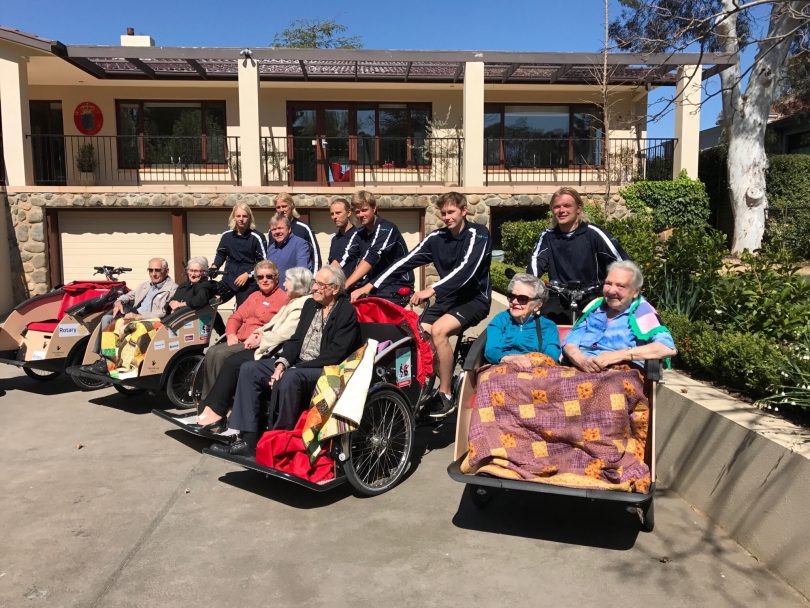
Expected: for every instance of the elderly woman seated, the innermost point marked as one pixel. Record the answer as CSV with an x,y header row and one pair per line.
x,y
620,327
257,309
262,342
520,330
585,426
327,333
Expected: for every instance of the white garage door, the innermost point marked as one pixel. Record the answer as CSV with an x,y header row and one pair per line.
x,y
114,238
406,221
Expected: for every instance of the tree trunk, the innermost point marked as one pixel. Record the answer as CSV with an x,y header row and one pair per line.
x,y
746,116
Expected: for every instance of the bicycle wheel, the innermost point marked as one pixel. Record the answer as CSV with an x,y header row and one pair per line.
x,y
378,452
180,381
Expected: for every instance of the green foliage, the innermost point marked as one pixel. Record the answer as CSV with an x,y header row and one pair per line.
x,y
316,34
86,158
519,239
497,272
766,297
637,237
682,202
788,185
793,390
687,270
745,361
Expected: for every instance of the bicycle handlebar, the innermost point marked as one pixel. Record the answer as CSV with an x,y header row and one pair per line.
x,y
111,272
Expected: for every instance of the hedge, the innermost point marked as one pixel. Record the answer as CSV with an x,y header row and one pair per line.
x,y
681,202
518,240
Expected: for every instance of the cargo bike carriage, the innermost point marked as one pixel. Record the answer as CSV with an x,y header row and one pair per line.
x,y
374,457
168,362
48,333
481,487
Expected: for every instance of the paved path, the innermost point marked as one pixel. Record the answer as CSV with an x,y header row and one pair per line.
x,y
138,517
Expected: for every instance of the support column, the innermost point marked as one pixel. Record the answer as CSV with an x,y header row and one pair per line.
x,y
473,124
249,127
16,120
687,120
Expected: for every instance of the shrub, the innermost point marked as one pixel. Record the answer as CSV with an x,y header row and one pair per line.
x,y
518,240
636,235
687,271
682,202
788,186
751,362
767,297
497,272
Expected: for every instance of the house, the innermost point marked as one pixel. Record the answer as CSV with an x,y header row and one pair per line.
x,y
113,154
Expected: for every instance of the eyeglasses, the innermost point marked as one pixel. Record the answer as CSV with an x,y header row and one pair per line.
x,y
266,277
320,285
154,270
521,299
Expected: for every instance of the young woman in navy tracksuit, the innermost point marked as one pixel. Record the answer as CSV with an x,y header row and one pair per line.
x,y
239,249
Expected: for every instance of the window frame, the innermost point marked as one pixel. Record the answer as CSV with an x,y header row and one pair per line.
x,y
573,108
142,161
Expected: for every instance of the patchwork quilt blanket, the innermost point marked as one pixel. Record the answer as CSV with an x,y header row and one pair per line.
x,y
558,425
124,343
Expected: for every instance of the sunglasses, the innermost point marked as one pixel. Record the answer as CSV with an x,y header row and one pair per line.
x,y
521,299
154,270
266,277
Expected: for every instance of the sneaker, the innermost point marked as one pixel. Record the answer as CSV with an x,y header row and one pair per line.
x,y
99,367
444,406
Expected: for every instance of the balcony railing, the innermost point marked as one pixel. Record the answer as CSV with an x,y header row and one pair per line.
x,y
581,161
357,160
124,160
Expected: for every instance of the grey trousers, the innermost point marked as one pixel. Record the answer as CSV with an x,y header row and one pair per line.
x,y
215,358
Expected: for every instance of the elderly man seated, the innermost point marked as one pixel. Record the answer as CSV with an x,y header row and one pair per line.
x,y
581,427
148,300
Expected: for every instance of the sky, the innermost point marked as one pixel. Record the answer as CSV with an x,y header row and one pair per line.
x,y
512,25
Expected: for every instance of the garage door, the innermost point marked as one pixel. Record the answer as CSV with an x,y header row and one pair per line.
x,y
406,221
114,238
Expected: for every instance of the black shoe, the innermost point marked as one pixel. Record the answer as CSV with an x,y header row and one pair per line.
x,y
99,367
444,406
240,447
214,427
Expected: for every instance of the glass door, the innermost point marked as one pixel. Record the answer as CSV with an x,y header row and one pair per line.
x,y
304,145
48,143
336,145
322,144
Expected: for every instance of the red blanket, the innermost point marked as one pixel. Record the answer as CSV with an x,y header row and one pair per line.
x,y
285,451
560,426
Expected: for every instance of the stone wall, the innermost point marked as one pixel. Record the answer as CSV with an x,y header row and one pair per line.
x,y
26,230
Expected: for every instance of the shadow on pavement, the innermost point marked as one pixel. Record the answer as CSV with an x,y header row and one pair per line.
x,y
559,519
133,404
285,492
60,385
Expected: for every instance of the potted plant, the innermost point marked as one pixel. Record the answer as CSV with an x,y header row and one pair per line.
x,y
86,164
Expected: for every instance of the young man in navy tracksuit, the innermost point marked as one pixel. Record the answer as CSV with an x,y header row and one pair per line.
x,y
285,205
375,247
461,253
341,213
573,251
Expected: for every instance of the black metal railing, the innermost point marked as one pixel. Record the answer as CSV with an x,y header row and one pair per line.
x,y
569,160
110,160
357,160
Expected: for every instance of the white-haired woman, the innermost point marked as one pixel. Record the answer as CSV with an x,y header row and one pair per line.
x,y
519,330
197,290
620,327
262,342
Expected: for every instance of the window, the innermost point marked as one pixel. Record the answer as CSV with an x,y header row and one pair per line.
x,y
533,136
171,132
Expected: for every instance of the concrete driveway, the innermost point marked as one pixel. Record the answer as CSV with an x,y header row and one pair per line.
x,y
104,505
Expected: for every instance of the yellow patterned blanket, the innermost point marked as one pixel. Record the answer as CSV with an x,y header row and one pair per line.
x,y
339,398
124,343
561,426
